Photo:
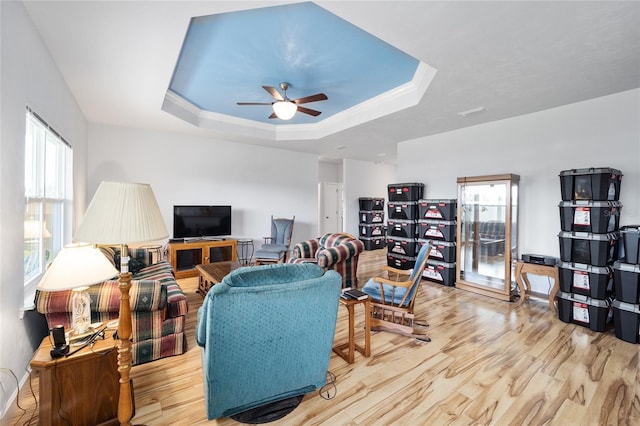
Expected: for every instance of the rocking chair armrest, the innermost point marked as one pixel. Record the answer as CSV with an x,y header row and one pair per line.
x,y
383,280
398,272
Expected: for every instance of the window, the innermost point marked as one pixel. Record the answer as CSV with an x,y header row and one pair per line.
x,y
48,197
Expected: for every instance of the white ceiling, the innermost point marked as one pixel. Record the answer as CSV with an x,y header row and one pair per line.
x,y
511,57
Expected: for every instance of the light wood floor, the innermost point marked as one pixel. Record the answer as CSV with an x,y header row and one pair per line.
x,y
489,362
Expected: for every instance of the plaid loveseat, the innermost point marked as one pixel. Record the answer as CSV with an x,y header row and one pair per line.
x,y
338,252
158,306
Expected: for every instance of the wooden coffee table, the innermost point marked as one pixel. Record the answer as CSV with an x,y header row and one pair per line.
x,y
213,273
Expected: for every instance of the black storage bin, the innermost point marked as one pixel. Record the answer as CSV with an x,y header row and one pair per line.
x,y
588,248
443,251
626,281
590,216
373,243
593,281
371,203
371,230
584,311
407,210
399,261
444,230
626,321
404,246
440,272
373,216
405,191
401,228
437,209
595,184
630,235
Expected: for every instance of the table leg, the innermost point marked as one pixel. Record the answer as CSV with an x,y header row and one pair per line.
x,y
367,328
352,337
554,290
521,286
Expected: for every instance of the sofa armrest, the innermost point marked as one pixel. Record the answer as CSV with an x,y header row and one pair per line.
x,y
306,249
346,250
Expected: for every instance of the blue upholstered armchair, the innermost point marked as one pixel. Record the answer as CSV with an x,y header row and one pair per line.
x,y
266,334
276,247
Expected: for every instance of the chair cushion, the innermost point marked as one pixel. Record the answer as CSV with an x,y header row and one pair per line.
x,y
373,290
266,254
274,247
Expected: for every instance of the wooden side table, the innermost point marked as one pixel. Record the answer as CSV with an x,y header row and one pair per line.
x,y
524,268
351,345
81,389
213,273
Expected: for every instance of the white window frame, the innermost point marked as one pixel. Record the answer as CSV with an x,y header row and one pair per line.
x,y
48,202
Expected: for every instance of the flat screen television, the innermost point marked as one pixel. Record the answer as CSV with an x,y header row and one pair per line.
x,y
201,221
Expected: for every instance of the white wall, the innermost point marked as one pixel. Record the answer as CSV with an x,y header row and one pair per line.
x,y
363,179
602,132
256,181
28,77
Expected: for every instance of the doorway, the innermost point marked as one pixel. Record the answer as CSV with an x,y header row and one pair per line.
x,y
330,212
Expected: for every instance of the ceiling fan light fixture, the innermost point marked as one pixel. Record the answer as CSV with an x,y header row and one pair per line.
x,y
285,110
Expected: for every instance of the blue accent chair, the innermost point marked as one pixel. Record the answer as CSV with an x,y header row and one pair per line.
x,y
393,296
266,334
275,248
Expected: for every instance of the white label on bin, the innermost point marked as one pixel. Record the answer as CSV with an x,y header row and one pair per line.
x,y
432,273
434,232
436,253
582,216
581,280
376,231
433,213
398,249
581,312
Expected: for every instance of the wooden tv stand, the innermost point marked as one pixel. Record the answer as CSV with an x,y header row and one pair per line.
x,y
184,256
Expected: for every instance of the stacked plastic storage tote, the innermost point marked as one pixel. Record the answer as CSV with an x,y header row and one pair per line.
x,y
371,220
437,226
626,280
589,219
402,224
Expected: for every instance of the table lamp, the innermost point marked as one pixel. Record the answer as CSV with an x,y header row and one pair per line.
x,y
123,213
75,268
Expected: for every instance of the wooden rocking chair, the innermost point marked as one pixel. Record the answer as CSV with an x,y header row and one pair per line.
x,y
392,300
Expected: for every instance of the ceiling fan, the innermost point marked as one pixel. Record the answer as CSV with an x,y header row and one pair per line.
x,y
285,108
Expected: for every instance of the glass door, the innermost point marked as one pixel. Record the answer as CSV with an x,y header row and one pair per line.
x,y
487,234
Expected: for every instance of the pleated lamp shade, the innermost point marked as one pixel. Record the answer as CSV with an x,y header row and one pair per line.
x,y
122,213
77,265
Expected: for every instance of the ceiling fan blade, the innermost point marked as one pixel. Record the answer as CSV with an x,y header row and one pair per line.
x,y
273,115
309,111
313,98
253,103
274,92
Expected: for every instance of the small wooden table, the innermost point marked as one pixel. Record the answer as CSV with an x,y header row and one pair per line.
x,y
351,345
213,273
524,268
81,389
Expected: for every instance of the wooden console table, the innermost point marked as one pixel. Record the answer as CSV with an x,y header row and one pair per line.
x,y
523,268
81,389
351,345
185,256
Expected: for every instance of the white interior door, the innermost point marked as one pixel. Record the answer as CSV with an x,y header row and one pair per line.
x,y
330,219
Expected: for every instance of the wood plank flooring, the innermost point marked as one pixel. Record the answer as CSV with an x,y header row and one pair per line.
x,y
489,363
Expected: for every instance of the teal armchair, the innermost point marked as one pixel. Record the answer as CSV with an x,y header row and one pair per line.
x,y
266,334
